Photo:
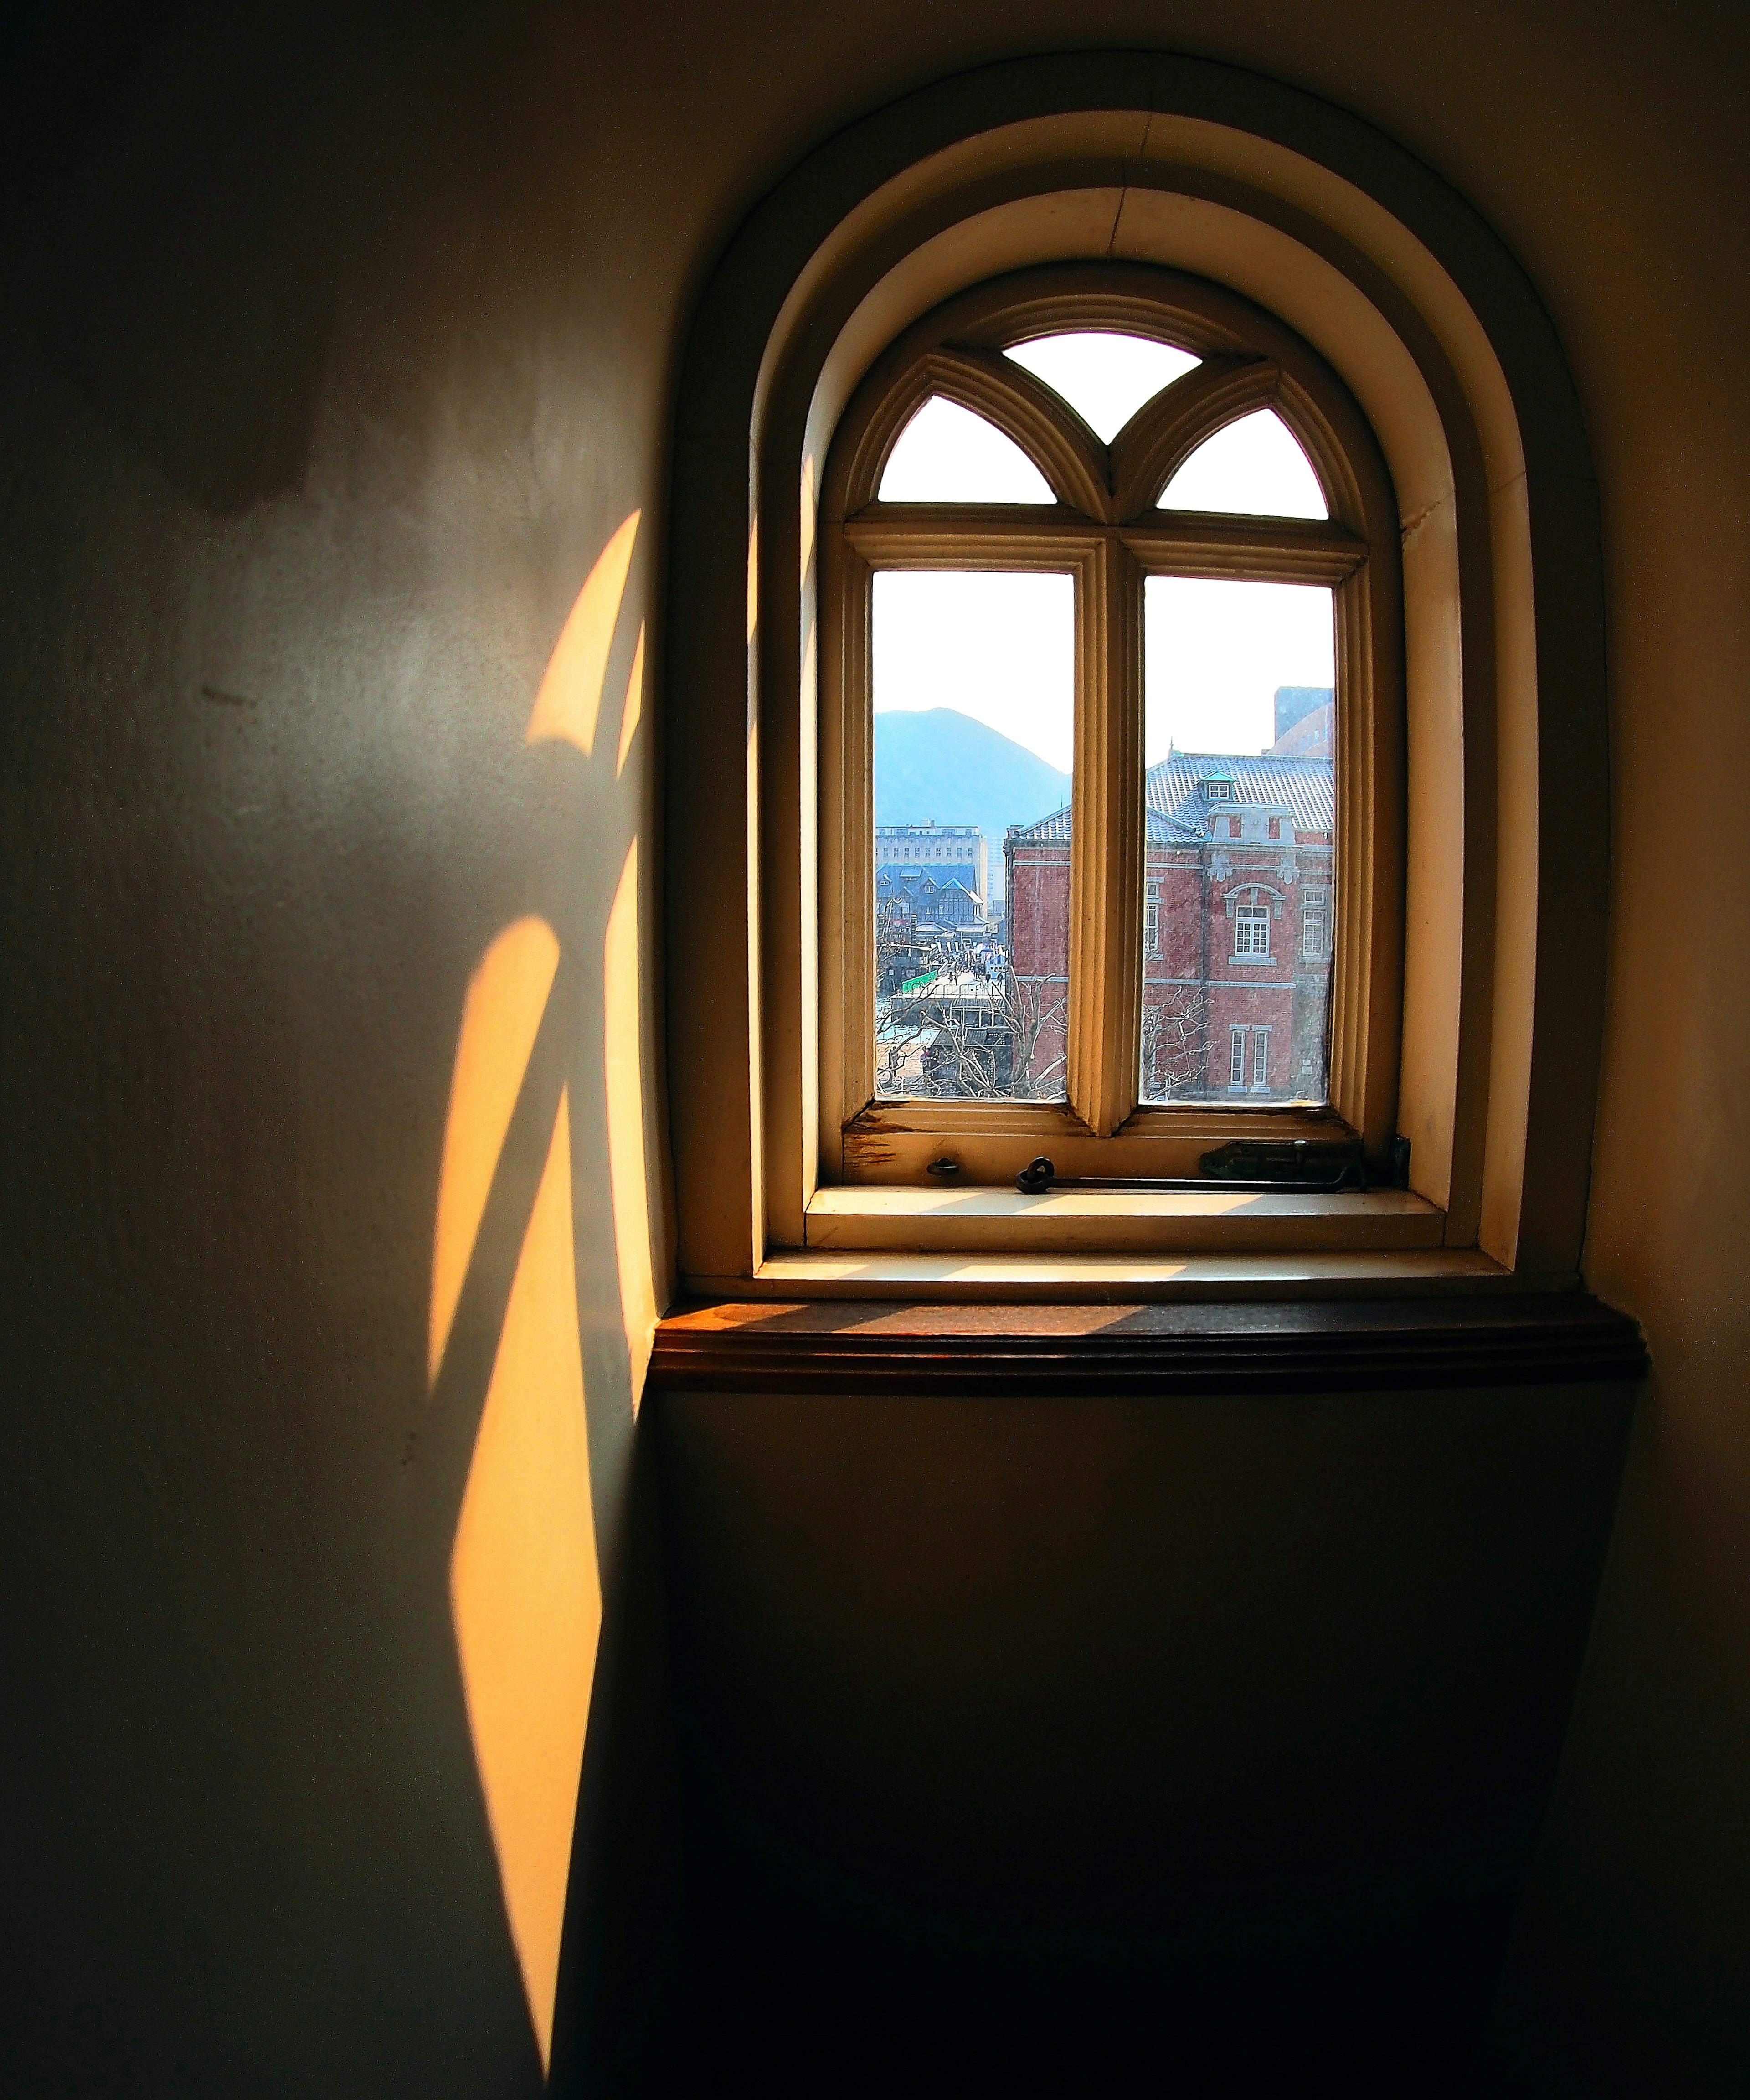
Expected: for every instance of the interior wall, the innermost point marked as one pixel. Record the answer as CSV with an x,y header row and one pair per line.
x,y
336,1222
343,352
1129,1744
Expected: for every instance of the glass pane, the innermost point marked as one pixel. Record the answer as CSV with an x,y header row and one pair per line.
x,y
974,740
1105,378
946,454
1239,878
1254,466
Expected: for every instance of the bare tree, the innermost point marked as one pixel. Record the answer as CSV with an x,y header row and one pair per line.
x,y
1175,1043
1031,1007
954,1021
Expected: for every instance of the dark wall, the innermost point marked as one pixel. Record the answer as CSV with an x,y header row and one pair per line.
x,y
317,413
1154,1743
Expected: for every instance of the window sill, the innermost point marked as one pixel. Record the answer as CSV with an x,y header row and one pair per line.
x,y
1105,1279
978,1220
1153,1351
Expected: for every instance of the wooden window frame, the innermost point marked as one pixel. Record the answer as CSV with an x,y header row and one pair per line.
x,y
1105,531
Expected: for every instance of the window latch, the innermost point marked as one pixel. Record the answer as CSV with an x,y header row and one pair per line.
x,y
1299,1165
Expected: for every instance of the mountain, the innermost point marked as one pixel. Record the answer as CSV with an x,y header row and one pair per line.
x,y
940,766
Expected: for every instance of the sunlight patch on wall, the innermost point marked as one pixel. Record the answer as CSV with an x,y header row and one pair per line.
x,y
506,998
810,501
569,698
633,712
624,1063
525,1589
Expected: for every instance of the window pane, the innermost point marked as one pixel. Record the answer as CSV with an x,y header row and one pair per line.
x,y
946,454
1254,466
1241,823
1105,378
974,677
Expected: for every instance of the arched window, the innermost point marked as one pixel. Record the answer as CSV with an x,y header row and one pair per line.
x,y
1324,375
1113,544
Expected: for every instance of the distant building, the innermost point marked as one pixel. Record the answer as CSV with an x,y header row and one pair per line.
x,y
1306,723
915,893
943,852
1293,704
1236,923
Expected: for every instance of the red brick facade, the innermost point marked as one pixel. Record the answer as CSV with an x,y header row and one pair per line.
x,y
1237,923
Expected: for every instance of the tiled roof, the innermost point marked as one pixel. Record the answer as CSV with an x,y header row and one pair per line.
x,y
1056,825
1304,787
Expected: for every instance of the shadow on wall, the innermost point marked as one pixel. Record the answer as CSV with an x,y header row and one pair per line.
x,y
545,1151
351,1756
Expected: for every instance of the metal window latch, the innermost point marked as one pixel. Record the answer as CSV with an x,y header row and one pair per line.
x,y
1297,1165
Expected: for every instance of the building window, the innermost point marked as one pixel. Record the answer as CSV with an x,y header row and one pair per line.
x,y
1151,927
1260,1059
1251,930
1236,1057
1315,939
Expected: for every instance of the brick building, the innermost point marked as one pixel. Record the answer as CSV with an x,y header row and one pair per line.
x,y
1236,931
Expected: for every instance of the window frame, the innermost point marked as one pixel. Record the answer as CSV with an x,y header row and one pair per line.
x,y
1105,531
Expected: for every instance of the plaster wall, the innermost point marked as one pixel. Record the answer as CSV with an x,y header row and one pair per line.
x,y
342,352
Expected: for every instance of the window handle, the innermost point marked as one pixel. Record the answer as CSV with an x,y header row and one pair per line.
x,y
1259,1167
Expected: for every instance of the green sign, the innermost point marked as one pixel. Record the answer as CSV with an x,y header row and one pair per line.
x,y
917,984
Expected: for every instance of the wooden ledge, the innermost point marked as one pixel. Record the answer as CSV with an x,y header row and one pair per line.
x,y
843,1346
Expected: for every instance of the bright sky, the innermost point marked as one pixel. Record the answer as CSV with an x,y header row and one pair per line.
x,y
1104,378
1214,653
1255,465
1001,647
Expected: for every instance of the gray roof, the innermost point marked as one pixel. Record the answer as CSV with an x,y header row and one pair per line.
x,y
1304,787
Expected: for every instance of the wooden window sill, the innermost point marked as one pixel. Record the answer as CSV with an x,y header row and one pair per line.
x,y
1527,1338
980,1220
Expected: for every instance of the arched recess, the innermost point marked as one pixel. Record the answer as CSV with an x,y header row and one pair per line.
x,y
1427,318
